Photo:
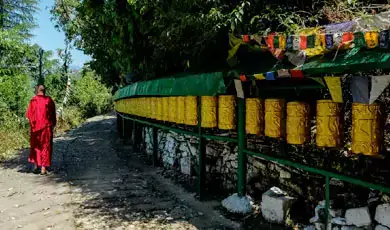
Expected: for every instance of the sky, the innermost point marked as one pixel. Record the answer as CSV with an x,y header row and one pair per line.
x,y
49,38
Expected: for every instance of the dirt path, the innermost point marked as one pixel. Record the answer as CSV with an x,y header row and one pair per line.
x,y
98,184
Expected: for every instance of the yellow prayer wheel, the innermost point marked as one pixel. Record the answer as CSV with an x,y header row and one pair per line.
x,y
146,105
153,104
329,127
118,106
132,103
180,110
298,123
226,112
191,110
366,129
159,110
165,107
150,112
274,118
136,106
209,111
254,116
124,106
142,106
139,107
172,109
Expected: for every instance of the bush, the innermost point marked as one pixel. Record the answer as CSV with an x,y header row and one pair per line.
x,y
13,134
91,96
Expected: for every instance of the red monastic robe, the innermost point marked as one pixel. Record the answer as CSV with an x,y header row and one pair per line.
x,y
42,116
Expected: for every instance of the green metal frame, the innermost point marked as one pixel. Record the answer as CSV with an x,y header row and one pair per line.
x,y
243,153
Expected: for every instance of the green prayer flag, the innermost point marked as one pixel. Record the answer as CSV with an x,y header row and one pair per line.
x,y
318,80
311,41
276,42
359,39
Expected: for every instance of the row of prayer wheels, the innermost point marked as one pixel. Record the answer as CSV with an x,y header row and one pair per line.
x,y
271,117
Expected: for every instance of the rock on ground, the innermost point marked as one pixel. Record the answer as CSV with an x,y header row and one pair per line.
x,y
359,217
382,214
381,227
97,183
275,204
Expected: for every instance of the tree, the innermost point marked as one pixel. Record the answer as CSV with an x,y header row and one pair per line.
x,y
16,14
150,39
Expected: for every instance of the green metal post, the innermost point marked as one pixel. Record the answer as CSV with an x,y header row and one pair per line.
x,y
123,127
241,146
124,134
327,200
201,155
155,146
133,139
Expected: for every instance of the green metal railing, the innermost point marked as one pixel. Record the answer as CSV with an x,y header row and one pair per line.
x,y
243,153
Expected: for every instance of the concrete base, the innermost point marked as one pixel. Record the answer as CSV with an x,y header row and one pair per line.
x,y
237,204
275,205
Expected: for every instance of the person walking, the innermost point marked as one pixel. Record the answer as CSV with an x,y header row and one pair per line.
x,y
41,114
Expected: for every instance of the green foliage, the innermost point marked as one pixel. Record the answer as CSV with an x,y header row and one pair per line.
x,y
16,14
151,38
91,96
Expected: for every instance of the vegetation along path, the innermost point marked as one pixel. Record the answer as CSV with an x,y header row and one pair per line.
x,y
97,183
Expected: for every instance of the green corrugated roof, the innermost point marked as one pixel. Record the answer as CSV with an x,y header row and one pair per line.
x,y
205,84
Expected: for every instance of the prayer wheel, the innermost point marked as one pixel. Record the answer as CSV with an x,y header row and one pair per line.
x,y
226,112
118,106
136,106
191,110
165,111
298,123
172,109
254,116
125,106
180,110
274,118
159,110
366,129
153,104
329,127
209,111
142,107
148,107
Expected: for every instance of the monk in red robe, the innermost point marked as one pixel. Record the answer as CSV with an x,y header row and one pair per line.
x,y
42,116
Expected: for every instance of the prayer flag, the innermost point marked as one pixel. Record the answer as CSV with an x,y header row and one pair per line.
x,y
378,85
334,86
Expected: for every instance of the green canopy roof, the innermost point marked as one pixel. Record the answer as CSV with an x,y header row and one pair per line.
x,y
352,61
205,84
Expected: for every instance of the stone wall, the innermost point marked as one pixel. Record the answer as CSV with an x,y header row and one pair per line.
x,y
180,152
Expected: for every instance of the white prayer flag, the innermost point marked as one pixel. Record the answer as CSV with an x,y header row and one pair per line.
x,y
378,85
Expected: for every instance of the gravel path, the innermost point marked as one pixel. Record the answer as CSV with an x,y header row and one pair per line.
x,y
97,183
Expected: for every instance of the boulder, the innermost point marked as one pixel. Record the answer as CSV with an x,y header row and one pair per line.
x,y
381,227
382,214
359,217
275,205
339,221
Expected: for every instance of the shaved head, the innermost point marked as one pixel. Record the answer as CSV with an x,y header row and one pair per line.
x,y
41,90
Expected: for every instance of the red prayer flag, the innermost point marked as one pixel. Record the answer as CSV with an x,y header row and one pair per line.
x,y
348,37
243,77
303,42
245,38
296,73
270,41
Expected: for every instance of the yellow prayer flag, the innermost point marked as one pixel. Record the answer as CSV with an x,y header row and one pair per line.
x,y
259,76
334,86
372,39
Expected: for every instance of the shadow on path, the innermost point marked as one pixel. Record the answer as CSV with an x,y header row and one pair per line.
x,y
109,188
